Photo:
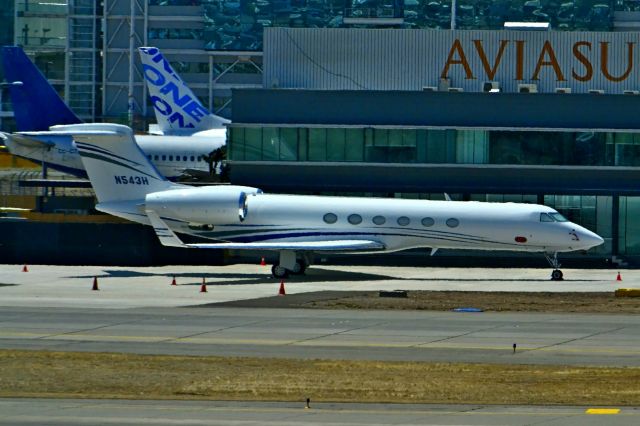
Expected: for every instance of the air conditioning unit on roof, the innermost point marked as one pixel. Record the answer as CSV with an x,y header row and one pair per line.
x,y
444,84
456,89
563,89
631,92
527,88
596,91
491,86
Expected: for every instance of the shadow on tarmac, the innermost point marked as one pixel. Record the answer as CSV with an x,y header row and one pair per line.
x,y
312,276
238,278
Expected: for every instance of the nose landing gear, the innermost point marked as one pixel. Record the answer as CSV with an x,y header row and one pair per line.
x,y
556,274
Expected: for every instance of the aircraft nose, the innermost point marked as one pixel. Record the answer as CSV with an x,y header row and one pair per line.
x,y
588,239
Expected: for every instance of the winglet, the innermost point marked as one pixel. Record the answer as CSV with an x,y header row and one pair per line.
x,y
166,236
36,104
117,167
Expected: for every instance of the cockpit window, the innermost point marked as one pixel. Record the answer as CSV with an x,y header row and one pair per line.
x,y
545,218
558,217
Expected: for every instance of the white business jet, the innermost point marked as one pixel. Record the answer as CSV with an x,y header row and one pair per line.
x,y
238,217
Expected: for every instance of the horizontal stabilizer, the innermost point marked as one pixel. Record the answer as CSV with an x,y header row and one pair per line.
x,y
169,238
31,142
117,168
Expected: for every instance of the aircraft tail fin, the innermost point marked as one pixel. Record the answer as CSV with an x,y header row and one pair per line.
x,y
36,104
177,108
116,166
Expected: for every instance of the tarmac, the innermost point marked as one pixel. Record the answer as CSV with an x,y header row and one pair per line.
x,y
108,412
137,310
564,339
135,287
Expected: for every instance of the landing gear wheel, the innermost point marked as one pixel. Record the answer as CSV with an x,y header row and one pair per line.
x,y
279,271
556,274
299,267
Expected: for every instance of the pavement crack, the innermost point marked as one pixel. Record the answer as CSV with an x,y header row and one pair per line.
x,y
456,336
173,339
336,333
613,330
84,330
553,420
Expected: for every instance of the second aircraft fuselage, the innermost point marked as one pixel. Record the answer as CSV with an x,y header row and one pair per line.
x,y
171,155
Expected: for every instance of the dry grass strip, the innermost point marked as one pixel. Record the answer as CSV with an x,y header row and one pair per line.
x,y
604,302
102,375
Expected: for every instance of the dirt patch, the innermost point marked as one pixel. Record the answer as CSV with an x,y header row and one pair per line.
x,y
100,375
604,302
486,301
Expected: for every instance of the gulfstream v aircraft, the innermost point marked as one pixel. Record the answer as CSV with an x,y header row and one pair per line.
x,y
37,106
237,217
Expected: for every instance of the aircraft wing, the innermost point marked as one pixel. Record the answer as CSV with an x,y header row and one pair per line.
x,y
337,246
169,238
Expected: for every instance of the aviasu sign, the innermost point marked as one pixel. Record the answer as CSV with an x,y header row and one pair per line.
x,y
398,59
611,61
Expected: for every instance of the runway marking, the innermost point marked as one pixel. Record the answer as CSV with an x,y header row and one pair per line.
x,y
602,411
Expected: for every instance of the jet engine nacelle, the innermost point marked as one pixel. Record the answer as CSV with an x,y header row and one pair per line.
x,y
207,205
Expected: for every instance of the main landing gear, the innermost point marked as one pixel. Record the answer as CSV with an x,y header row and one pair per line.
x,y
290,264
279,271
556,274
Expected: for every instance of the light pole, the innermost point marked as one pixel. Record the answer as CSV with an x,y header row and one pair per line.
x,y
453,14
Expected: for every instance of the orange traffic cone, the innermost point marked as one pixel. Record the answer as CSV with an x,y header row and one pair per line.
x,y
25,269
263,263
173,282
95,284
619,277
203,287
281,292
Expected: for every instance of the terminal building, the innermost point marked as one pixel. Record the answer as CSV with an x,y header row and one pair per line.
x,y
383,98
546,117
83,46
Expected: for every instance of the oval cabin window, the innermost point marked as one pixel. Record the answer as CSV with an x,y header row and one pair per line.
x,y
403,221
452,222
428,221
354,219
330,218
379,220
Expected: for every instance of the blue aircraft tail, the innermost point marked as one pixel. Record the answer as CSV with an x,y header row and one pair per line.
x,y
36,104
